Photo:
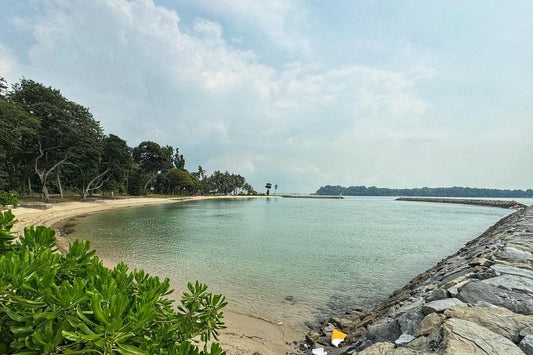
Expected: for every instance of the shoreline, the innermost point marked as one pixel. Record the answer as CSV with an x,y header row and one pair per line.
x,y
244,335
477,300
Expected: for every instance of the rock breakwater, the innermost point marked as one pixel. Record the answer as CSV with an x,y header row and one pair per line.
x,y
467,201
477,301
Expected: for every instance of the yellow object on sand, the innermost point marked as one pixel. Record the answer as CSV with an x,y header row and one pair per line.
x,y
337,337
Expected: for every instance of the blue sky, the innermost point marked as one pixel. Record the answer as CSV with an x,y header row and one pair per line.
x,y
297,93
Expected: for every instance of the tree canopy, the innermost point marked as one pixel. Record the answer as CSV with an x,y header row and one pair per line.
x,y
52,144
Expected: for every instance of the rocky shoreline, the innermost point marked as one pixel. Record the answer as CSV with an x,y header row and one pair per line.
x,y
476,301
467,201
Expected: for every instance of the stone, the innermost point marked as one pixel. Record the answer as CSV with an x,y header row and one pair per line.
x,y
464,337
512,282
410,321
454,290
514,254
512,270
477,292
380,348
383,330
441,305
341,322
497,319
480,261
312,337
430,323
404,339
438,294
527,345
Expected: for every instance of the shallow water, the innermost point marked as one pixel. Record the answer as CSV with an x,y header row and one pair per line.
x,y
288,260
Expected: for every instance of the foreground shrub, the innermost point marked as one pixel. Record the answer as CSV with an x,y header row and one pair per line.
x,y
71,304
9,198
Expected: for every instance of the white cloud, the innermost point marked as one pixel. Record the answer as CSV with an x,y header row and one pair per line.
x,y
8,65
147,78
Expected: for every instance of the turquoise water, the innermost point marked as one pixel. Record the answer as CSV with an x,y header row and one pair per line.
x,y
288,260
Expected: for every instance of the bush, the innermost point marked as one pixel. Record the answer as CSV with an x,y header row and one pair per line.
x,y
52,303
9,198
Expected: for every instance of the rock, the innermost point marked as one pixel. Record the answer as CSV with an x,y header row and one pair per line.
x,y
454,290
342,323
481,262
476,292
404,339
513,254
431,287
438,294
512,270
441,305
386,329
527,345
410,321
526,331
497,319
312,337
378,349
464,337
512,282
430,323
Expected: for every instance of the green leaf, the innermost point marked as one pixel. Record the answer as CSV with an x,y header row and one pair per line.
x,y
130,350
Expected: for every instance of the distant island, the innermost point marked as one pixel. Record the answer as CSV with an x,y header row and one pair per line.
x,y
423,191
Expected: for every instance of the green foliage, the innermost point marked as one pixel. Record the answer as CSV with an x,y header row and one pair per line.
x,y
54,304
9,198
424,192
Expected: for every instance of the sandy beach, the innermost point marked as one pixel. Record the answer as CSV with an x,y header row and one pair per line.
x,y
244,334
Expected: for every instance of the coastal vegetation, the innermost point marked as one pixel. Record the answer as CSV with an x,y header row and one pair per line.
x,y
52,303
52,145
424,191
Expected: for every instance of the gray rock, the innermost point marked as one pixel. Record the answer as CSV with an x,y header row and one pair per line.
x,y
404,339
438,294
384,330
410,321
512,270
499,320
464,337
454,290
441,305
512,282
476,292
527,345
514,254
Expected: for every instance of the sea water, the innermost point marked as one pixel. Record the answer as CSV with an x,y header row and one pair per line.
x,y
288,260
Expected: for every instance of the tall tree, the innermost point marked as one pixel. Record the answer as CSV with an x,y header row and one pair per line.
x,y
114,162
17,127
67,130
151,159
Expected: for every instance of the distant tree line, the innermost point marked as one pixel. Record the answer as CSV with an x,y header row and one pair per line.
x,y
424,191
49,144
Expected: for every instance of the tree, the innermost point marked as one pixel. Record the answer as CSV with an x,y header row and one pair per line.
x,y
115,161
151,159
67,130
17,128
179,160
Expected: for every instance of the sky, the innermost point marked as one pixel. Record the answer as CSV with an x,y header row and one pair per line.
x,y
301,94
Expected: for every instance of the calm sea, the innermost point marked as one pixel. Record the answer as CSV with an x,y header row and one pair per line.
x,y
288,260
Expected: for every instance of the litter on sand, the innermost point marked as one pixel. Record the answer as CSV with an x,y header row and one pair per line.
x,y
319,351
337,337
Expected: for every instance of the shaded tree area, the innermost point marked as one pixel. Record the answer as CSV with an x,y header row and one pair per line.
x,y
423,192
49,144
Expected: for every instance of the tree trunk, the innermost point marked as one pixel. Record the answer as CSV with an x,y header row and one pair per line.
x,y
58,175
98,181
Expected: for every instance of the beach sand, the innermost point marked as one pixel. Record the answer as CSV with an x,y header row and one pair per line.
x,y
244,334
